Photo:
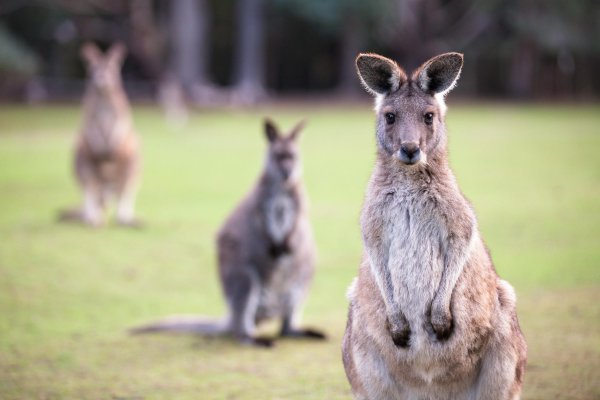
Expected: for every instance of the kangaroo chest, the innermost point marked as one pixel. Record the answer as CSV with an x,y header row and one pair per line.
x,y
281,212
413,240
104,128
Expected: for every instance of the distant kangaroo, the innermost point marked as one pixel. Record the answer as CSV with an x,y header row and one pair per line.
x,y
107,156
429,318
266,252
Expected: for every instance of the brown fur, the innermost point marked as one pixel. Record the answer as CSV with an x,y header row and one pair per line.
x,y
429,317
107,156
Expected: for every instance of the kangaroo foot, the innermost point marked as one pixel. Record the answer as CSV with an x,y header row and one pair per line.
x,y
258,342
131,223
306,333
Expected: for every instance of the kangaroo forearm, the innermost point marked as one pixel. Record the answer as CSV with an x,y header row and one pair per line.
x,y
457,255
377,242
378,262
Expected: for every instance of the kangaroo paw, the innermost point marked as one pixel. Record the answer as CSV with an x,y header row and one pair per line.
x,y
400,334
441,324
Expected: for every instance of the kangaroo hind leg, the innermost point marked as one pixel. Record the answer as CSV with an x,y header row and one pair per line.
x,y
125,206
93,209
243,297
290,328
503,363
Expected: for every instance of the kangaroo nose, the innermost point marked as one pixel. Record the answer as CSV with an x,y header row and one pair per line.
x,y
410,152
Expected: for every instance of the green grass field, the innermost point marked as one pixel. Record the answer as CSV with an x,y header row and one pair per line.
x,y
68,294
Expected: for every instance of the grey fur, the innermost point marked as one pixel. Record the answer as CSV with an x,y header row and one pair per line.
x,y
429,318
266,250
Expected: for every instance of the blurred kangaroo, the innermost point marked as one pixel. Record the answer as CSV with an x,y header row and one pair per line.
x,y
429,318
266,252
107,156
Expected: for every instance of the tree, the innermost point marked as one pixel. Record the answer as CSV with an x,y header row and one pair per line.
x,y
189,41
250,55
345,20
147,41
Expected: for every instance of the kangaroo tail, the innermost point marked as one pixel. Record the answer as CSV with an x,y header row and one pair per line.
x,y
184,324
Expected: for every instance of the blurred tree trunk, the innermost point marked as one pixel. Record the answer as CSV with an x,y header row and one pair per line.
x,y
352,33
250,66
520,83
411,33
420,29
147,39
413,30
521,71
189,42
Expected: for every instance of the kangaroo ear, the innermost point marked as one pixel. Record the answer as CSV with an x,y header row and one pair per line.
x,y
271,130
296,130
378,74
90,53
439,74
117,52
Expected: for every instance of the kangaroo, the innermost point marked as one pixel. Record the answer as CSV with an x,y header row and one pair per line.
x,y
266,252
107,157
429,318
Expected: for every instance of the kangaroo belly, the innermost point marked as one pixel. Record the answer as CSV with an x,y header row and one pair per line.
x,y
277,293
415,263
416,270
427,366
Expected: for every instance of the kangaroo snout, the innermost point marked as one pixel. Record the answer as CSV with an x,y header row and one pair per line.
x,y
409,153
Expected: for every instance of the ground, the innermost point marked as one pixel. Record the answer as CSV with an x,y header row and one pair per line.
x,y
68,294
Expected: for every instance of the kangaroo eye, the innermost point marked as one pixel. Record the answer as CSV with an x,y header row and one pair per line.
x,y
428,118
390,118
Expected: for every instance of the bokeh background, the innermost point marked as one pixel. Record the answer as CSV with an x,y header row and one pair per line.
x,y
524,127
207,49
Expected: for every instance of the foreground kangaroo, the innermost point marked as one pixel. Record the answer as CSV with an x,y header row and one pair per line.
x,y
107,159
429,318
266,252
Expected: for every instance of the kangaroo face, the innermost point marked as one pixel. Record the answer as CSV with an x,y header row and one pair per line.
x,y
104,70
410,111
409,125
283,156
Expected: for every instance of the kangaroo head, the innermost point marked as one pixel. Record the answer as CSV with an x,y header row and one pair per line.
x,y
104,70
283,155
410,111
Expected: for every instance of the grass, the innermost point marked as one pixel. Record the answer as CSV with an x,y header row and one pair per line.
x,y
68,294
